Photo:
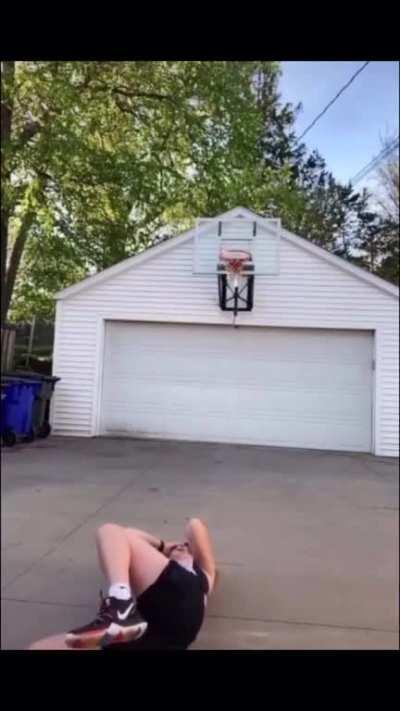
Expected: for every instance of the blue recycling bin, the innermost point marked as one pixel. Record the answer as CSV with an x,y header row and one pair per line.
x,y
18,409
41,406
8,436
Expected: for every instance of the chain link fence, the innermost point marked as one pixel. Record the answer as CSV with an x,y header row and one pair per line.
x,y
29,346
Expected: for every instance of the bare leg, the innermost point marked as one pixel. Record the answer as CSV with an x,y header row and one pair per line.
x,y
147,563
114,553
56,641
126,557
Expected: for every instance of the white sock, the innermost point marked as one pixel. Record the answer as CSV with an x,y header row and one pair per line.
x,y
122,591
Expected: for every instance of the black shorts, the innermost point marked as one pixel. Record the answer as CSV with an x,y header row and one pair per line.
x,y
173,607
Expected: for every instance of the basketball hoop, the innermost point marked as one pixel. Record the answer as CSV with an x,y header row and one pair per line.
x,y
234,261
235,280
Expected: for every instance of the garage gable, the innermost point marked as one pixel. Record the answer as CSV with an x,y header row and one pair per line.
x,y
158,251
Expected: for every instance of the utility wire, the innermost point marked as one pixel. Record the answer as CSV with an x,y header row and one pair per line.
x,y
332,101
374,163
386,151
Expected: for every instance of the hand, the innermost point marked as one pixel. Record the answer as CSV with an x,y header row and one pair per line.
x,y
168,546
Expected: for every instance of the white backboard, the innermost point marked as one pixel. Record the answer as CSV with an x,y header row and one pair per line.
x,y
261,237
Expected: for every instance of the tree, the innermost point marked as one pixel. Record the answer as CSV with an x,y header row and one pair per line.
x,y
316,206
308,198
7,81
388,200
388,175
370,240
99,155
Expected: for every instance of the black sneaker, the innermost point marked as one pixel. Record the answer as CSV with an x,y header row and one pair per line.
x,y
117,621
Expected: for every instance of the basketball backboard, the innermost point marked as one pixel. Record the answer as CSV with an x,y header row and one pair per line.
x,y
260,237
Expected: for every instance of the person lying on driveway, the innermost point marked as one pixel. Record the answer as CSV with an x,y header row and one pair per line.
x,y
157,591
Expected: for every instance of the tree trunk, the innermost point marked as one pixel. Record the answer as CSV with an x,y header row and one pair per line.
x,y
7,80
16,255
4,244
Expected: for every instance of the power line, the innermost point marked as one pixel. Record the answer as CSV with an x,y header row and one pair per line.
x,y
386,150
375,161
332,101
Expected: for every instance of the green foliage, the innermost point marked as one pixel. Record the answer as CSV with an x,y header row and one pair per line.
x,y
122,149
388,200
389,263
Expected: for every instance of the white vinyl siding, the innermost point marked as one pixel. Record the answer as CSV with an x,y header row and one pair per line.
x,y
309,292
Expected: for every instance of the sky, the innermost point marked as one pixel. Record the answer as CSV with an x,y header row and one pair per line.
x,y
349,135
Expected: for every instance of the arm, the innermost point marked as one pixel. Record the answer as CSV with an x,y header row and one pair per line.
x,y
154,541
200,543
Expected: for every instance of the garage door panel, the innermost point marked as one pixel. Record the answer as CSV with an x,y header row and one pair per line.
x,y
313,407
300,375
159,397
285,387
317,404
292,401
312,435
246,374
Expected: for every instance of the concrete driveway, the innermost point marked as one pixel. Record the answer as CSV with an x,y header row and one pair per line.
x,y
306,541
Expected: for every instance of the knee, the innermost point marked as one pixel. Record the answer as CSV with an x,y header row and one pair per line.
x,y
107,528
133,535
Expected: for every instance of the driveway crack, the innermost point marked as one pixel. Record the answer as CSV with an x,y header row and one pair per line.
x,y
76,528
302,623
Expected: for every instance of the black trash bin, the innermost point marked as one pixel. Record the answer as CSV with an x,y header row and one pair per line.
x,y
41,406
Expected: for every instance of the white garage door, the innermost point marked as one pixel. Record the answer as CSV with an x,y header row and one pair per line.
x,y
285,387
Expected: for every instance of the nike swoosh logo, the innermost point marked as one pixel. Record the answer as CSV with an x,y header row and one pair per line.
x,y
123,615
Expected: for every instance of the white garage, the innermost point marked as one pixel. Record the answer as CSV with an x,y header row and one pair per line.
x,y
145,350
